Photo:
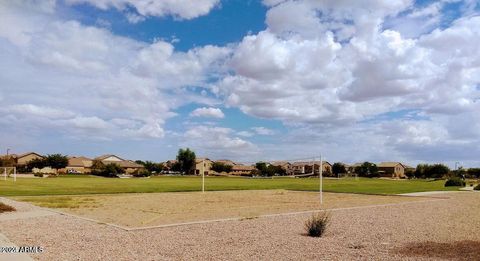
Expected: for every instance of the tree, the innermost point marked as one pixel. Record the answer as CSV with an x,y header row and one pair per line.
x,y
474,172
186,159
367,169
108,170
56,161
151,167
262,168
338,168
276,170
221,167
38,163
431,171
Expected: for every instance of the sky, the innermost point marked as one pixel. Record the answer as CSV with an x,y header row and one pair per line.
x,y
353,81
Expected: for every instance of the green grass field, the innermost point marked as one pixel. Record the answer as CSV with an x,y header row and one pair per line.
x,y
80,185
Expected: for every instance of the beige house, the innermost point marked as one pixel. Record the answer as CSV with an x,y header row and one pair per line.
x,y
23,159
226,162
242,170
287,166
128,165
203,165
79,165
305,167
391,169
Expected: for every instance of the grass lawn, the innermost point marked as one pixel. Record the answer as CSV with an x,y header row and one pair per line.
x,y
80,185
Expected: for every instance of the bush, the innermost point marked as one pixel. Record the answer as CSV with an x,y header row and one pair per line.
x,y
40,175
317,224
477,187
110,170
455,182
141,173
6,208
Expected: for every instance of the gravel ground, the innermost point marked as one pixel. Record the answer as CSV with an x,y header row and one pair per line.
x,y
414,231
154,209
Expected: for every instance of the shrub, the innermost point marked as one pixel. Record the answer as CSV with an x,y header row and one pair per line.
x,y
317,224
6,208
141,173
455,182
38,175
477,187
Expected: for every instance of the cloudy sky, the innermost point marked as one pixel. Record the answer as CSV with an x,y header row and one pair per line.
x,y
376,80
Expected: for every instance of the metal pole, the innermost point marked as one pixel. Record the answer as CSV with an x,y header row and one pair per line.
x,y
203,175
14,174
321,180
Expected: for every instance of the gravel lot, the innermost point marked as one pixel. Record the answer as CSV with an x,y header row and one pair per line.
x,y
154,209
415,231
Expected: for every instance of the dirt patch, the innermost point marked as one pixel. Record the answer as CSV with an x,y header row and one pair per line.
x,y
6,208
154,209
459,250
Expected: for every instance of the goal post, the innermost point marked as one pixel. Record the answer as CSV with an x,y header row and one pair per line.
x,y
7,171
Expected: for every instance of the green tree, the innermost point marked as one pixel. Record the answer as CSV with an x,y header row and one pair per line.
x,y
474,172
36,163
262,168
221,167
275,170
338,168
367,169
151,167
186,159
112,170
56,161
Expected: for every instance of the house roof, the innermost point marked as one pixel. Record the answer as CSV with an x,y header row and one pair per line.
x,y
128,164
80,162
122,163
309,163
389,164
28,153
106,156
227,162
242,168
280,163
198,160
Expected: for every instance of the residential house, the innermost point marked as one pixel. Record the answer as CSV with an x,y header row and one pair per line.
x,y
351,168
287,166
226,162
203,165
128,165
242,170
391,169
23,159
305,167
80,164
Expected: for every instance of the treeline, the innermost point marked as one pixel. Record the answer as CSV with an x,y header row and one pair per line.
x,y
54,161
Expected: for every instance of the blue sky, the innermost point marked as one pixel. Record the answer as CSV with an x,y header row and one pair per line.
x,y
247,80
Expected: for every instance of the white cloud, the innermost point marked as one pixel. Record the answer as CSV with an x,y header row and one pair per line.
x,y
218,142
263,131
208,112
335,66
183,9
84,77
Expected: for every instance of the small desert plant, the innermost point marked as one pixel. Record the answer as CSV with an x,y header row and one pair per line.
x,y
477,187
317,224
455,182
6,208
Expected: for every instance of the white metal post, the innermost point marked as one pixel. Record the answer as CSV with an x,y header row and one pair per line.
x,y
321,180
203,175
14,174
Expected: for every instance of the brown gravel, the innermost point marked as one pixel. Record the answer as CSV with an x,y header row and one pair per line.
x,y
154,209
373,233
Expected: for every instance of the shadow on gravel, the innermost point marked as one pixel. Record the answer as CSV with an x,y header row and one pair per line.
x,y
460,250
